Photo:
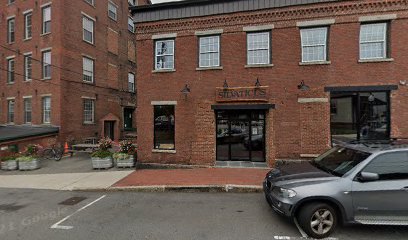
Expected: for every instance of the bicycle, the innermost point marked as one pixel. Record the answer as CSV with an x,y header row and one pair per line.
x,y
53,152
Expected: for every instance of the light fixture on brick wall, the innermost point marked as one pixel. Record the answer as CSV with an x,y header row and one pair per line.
x,y
302,86
186,90
257,83
225,84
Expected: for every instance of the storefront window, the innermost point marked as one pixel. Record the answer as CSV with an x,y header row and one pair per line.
x,y
164,127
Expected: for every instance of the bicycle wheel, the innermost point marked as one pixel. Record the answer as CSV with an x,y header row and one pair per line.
x,y
57,154
47,154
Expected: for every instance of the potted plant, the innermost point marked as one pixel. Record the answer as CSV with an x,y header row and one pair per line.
x,y
126,155
102,158
9,162
29,160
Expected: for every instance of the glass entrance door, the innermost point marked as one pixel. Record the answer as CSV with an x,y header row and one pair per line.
x,y
240,136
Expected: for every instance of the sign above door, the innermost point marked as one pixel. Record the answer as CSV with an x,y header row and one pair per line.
x,y
242,94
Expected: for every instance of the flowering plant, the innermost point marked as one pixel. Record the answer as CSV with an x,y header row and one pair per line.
x,y
126,146
105,143
32,150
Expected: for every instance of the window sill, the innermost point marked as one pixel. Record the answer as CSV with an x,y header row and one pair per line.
x,y
48,78
163,70
376,60
315,63
258,65
89,83
88,123
45,34
209,68
90,43
10,83
27,39
163,151
28,80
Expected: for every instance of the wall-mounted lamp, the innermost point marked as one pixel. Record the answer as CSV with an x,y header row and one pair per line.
x,y
257,84
302,86
225,84
186,90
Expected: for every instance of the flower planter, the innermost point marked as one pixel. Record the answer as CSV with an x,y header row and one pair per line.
x,y
9,165
29,165
125,161
102,163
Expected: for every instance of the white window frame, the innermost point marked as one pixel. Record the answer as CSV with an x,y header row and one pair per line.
x,y
85,20
259,49
209,52
27,110
112,7
303,46
46,112
88,71
89,112
90,2
45,19
28,30
384,40
156,55
28,66
11,30
131,82
11,105
131,25
46,64
11,68
11,2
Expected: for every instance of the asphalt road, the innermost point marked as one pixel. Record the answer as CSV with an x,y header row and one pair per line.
x,y
37,214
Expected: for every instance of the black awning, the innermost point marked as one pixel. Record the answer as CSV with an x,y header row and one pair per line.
x,y
361,88
242,106
17,132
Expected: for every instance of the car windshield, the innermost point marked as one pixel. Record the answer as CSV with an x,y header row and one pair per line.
x,y
339,160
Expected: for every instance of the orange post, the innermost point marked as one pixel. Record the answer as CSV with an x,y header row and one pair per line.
x,y
66,147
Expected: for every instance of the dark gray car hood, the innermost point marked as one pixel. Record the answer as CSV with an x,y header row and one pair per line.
x,y
296,171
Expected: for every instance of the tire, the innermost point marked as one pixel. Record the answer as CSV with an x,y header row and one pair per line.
x,y
57,154
47,154
318,220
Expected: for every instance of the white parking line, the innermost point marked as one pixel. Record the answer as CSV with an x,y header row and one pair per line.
x,y
58,226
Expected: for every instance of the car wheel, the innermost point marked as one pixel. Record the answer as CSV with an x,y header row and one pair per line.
x,y
318,220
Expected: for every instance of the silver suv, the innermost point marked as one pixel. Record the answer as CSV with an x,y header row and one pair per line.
x,y
350,183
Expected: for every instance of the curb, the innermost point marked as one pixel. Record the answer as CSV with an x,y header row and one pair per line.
x,y
228,188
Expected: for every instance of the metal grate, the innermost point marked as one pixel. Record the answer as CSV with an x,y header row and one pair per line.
x,y
72,201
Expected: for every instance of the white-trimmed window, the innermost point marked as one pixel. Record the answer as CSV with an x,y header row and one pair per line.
x,y
373,41
131,25
28,25
88,29
89,111
314,44
131,82
27,110
209,51
112,11
11,30
10,110
90,2
164,54
46,110
46,19
10,70
11,1
88,69
28,70
46,64
258,48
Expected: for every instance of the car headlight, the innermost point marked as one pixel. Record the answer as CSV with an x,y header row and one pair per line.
x,y
284,193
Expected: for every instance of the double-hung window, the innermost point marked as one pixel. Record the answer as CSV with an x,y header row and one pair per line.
x,y
28,67
131,25
27,110
89,111
11,1
373,41
131,82
258,48
10,70
112,11
11,30
46,19
28,25
46,64
88,29
164,54
209,51
164,135
88,69
314,44
90,2
10,110
46,110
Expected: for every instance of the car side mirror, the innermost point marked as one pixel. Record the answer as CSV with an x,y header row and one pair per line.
x,y
368,177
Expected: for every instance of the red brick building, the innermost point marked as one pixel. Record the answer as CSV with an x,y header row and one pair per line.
x,y
256,80
68,63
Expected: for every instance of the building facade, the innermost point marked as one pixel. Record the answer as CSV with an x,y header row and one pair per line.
x,y
256,80
69,64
